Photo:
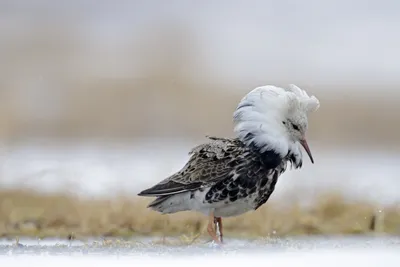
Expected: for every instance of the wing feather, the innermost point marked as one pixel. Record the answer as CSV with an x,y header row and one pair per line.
x,y
208,164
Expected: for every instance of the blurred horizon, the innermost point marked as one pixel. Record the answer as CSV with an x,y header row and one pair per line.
x,y
140,69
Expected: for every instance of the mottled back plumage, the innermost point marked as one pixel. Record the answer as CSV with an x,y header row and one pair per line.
x,y
208,163
229,171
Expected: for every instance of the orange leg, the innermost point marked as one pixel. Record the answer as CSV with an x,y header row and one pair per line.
x,y
211,229
218,223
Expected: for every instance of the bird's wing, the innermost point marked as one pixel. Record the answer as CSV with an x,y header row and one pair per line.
x,y
208,164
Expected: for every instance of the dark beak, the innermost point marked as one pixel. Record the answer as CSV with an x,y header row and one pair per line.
x,y
307,149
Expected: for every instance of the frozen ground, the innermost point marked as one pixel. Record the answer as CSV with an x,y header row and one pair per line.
x,y
321,251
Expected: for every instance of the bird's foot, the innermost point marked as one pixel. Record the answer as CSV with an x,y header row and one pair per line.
x,y
212,230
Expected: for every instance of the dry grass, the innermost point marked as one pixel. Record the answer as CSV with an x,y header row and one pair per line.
x,y
25,213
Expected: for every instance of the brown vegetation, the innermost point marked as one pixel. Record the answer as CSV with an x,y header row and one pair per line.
x,y
25,213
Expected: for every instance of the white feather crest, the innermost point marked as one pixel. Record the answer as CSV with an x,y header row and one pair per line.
x,y
309,104
259,115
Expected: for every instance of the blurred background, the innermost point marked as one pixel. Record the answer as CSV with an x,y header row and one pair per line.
x,y
102,98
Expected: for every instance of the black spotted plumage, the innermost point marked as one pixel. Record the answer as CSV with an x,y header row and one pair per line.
x,y
227,171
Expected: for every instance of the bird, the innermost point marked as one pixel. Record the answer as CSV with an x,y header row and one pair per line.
x,y
227,177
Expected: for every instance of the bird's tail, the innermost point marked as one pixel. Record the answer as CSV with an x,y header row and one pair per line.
x,y
170,204
157,201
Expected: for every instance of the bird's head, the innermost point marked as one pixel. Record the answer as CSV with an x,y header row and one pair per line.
x,y
273,118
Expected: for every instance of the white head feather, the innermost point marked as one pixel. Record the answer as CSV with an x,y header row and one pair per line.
x,y
266,116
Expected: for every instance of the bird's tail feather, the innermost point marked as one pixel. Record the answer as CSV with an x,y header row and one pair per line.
x,y
170,204
157,201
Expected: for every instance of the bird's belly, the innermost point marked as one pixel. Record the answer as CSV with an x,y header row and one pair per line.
x,y
233,209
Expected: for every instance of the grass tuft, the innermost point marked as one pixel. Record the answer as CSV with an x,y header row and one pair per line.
x,y
31,214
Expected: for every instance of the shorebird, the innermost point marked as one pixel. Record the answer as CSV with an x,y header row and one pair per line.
x,y
230,176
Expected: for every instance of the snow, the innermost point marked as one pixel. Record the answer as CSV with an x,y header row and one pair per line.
x,y
324,258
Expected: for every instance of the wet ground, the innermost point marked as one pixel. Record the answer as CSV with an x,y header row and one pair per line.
x,y
173,246
307,251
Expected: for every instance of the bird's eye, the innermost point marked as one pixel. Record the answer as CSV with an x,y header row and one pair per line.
x,y
295,127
